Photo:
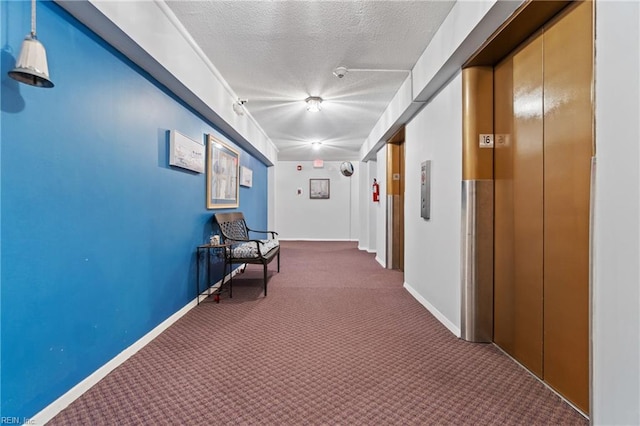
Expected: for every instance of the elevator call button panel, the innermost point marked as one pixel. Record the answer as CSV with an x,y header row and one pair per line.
x,y
425,189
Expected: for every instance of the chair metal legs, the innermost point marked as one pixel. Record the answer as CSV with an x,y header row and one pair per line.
x,y
265,280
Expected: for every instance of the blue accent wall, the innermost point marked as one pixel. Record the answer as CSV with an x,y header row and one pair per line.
x,y
98,232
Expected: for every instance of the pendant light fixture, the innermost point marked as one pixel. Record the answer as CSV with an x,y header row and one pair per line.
x,y
31,66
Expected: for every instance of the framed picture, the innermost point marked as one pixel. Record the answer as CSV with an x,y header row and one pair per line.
x,y
222,175
246,176
319,189
185,152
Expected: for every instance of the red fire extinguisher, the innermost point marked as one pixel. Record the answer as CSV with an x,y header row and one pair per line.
x,y
376,191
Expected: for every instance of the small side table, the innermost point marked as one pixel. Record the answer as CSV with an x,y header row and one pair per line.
x,y
208,249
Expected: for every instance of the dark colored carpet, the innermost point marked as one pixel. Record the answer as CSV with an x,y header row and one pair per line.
x,y
337,341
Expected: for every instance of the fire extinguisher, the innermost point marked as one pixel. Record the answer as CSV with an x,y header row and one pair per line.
x,y
376,191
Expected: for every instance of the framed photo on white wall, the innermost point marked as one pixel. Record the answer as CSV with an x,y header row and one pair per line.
x,y
319,189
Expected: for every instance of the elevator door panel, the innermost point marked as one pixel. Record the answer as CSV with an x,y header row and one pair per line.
x,y
542,158
568,150
519,205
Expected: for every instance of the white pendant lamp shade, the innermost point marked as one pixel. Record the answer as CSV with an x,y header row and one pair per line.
x,y
31,66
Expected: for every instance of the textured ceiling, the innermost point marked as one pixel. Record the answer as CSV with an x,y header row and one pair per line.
x,y
275,54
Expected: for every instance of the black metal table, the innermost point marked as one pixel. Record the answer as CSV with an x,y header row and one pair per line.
x,y
208,249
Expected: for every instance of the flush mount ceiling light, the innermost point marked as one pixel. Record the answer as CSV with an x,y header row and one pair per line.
x,y
316,145
31,66
314,103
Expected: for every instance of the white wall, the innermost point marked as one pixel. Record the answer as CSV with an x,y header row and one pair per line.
x,y
368,213
354,196
380,209
616,280
271,198
432,247
299,218
363,216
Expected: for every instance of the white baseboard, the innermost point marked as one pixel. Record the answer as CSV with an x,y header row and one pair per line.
x,y
436,313
75,392
367,249
381,262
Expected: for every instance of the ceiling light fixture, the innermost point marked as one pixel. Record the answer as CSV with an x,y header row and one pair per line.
x,y
31,66
316,145
314,103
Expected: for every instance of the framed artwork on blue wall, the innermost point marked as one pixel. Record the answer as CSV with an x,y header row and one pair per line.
x,y
246,176
185,153
222,175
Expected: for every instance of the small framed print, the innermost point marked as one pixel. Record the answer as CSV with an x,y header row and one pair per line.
x,y
319,189
246,176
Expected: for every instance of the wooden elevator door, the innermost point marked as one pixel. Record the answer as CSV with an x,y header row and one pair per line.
x,y
395,188
543,149
519,201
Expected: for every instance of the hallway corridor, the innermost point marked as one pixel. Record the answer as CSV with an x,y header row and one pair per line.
x,y
338,340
